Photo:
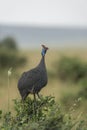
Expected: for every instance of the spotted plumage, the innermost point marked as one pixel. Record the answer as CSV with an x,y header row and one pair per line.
x,y
32,81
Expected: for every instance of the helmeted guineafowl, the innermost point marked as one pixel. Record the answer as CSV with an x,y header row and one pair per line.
x,y
32,81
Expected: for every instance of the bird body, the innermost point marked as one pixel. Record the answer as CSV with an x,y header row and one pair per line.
x,y
33,80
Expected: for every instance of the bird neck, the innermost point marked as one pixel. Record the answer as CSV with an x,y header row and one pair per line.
x,y
42,61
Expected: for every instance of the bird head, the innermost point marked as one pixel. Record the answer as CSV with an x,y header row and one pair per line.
x,y
44,50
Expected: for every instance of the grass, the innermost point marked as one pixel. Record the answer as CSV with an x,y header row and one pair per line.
x,y
62,91
55,87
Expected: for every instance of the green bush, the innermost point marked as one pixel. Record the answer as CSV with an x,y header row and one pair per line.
x,y
8,43
71,69
83,91
9,55
71,101
10,59
43,114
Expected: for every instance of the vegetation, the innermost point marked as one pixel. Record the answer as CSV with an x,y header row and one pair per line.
x,y
8,43
71,69
69,110
74,70
46,115
9,55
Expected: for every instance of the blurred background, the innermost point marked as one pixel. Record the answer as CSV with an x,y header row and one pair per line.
x,y
60,25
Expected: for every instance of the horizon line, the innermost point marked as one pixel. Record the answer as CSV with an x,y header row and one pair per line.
x,y
42,26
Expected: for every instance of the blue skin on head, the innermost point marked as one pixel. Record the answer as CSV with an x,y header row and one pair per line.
x,y
43,52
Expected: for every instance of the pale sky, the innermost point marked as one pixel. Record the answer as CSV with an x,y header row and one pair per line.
x,y
44,12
